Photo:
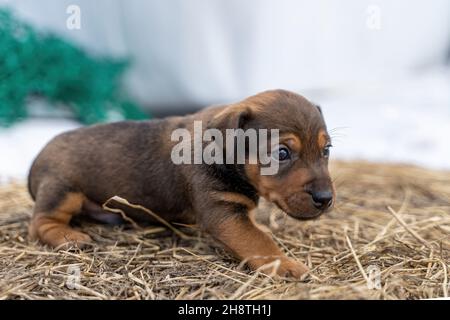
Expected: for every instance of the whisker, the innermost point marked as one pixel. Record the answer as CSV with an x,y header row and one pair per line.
x,y
338,135
338,128
337,139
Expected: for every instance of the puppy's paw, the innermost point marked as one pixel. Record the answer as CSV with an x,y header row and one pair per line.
x,y
291,268
66,238
55,233
75,238
282,266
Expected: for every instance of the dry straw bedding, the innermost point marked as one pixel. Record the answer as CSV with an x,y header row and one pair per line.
x,y
390,219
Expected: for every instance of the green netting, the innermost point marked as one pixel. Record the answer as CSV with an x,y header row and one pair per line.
x,y
36,64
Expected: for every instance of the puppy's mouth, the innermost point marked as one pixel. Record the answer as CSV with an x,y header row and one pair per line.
x,y
300,214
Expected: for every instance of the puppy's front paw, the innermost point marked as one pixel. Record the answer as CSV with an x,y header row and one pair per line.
x,y
291,268
282,266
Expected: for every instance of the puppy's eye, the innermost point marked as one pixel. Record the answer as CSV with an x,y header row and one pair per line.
x,y
326,151
283,153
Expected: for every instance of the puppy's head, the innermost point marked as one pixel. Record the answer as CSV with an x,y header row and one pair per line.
x,y
302,186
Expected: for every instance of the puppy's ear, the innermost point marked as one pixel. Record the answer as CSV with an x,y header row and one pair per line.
x,y
320,109
232,117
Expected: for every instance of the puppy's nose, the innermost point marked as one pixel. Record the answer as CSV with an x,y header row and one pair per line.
x,y
322,199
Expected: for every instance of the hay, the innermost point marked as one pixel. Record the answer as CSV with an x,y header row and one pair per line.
x,y
389,219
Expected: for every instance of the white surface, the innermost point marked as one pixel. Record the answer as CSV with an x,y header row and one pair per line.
x,y
402,120
21,144
211,51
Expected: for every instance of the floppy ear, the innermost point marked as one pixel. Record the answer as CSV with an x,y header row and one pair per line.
x,y
232,117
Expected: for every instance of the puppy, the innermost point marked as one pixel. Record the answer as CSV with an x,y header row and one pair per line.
x,y
79,170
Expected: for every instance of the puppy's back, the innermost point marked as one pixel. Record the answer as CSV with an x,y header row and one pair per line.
x,y
90,157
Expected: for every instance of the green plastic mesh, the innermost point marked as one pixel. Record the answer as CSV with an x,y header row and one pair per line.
x,y
34,64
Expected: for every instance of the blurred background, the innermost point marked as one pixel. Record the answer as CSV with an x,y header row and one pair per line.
x,y
379,69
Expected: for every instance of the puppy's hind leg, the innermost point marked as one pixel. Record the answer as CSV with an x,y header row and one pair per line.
x,y
55,206
96,212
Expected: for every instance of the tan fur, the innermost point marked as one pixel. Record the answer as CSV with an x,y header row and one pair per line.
x,y
256,247
322,139
291,140
53,227
234,198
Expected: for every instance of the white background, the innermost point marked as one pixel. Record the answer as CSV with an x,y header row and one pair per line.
x,y
386,89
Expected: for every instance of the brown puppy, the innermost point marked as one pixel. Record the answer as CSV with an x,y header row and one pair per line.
x,y
81,169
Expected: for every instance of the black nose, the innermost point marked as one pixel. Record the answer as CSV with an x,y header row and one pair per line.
x,y
322,199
